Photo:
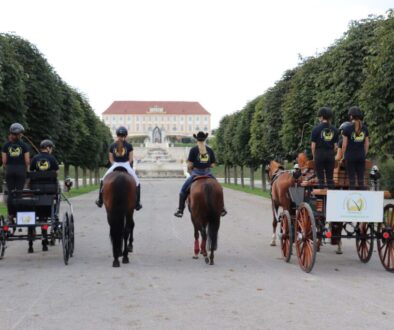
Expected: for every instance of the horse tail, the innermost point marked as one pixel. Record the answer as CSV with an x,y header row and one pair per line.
x,y
213,216
118,212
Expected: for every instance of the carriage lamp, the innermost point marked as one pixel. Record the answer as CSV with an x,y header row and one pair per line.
x,y
44,227
6,228
328,234
386,235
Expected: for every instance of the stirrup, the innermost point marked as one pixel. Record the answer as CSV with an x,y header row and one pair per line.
x,y
138,207
99,203
223,213
179,213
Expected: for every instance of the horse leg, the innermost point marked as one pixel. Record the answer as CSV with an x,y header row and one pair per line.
x,y
274,223
213,229
131,237
126,234
30,234
204,242
196,242
116,239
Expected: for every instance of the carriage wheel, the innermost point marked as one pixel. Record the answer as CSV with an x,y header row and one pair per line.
x,y
286,235
386,238
305,237
364,241
65,238
2,238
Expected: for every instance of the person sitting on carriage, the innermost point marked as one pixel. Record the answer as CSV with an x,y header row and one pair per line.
x,y
15,155
355,148
201,159
44,161
121,155
324,142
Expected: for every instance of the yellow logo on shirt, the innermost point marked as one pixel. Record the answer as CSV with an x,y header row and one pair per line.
x,y
43,165
15,151
203,158
328,135
358,138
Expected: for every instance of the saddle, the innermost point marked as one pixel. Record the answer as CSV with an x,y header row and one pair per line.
x,y
200,177
120,169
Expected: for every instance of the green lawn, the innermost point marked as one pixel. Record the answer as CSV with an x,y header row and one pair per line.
x,y
3,209
255,191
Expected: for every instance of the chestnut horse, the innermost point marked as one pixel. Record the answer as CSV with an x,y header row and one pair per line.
x,y
205,205
281,181
119,197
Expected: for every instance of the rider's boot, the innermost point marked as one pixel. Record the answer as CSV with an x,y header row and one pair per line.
x,y
181,207
99,201
224,212
138,205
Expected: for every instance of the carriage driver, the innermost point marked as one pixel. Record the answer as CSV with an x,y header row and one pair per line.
x,y
15,156
44,161
121,155
201,159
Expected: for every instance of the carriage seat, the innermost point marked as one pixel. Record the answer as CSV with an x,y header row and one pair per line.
x,y
45,183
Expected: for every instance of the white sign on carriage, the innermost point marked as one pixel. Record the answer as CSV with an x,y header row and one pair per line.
x,y
354,206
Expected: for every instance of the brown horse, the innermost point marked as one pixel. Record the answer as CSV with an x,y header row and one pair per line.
x,y
281,181
119,196
205,205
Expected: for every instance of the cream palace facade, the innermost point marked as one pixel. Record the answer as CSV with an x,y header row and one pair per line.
x,y
158,119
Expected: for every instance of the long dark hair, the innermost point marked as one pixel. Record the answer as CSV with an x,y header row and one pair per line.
x,y
119,147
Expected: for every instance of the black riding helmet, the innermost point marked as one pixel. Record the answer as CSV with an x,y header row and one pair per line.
x,y
344,125
46,143
201,136
17,128
325,112
121,131
355,113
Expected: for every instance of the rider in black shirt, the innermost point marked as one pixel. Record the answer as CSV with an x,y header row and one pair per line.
x,y
324,142
15,156
44,161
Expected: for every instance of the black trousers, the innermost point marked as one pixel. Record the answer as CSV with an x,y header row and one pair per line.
x,y
15,177
356,168
324,164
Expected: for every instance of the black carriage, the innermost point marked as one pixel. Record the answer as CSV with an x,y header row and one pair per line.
x,y
310,221
38,208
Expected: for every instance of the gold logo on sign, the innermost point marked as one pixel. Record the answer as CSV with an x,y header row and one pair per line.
x,y
355,203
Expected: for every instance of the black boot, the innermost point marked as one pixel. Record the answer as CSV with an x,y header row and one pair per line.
x,y
138,205
99,201
181,207
224,212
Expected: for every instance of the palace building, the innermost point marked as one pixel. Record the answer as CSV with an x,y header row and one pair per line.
x,y
158,119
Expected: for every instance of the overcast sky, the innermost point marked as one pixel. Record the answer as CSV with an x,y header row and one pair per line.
x,y
221,53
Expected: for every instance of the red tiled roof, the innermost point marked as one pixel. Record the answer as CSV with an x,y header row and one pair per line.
x,y
142,107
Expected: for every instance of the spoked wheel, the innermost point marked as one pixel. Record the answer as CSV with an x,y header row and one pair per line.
x,y
305,237
71,236
386,238
364,241
286,235
2,237
65,238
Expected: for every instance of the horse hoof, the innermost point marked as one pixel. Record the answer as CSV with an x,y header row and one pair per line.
x,y
195,257
207,260
273,244
211,262
30,250
116,263
338,252
125,260
130,248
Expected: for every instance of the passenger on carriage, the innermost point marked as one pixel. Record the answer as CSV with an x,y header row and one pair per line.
x,y
324,143
15,157
121,155
355,148
44,161
201,159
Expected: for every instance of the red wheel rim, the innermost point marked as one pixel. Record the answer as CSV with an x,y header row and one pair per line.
x,y
386,246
